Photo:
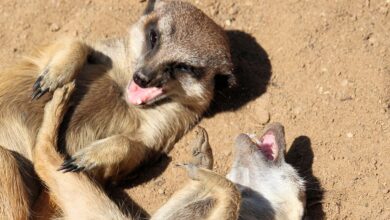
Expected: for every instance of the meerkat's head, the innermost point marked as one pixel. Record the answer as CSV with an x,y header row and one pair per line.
x,y
176,52
269,186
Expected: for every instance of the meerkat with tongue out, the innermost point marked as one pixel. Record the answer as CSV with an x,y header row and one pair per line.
x,y
134,97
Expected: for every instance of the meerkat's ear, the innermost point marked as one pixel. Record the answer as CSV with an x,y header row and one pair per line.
x,y
228,74
273,143
231,79
150,6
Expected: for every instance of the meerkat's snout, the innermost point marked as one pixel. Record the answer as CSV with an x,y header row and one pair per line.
x,y
141,79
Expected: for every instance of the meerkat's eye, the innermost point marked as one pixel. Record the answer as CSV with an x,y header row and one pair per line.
x,y
194,71
183,67
153,37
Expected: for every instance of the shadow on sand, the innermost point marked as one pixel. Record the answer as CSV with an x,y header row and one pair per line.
x,y
142,175
301,157
252,69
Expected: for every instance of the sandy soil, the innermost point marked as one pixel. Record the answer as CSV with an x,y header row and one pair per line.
x,y
322,68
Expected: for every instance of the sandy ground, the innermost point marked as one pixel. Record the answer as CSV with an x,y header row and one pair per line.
x,y
322,68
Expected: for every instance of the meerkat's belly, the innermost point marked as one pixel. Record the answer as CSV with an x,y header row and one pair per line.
x,y
99,111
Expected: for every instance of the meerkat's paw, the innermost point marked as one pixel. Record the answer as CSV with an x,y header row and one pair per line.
x,y
84,160
100,156
192,170
51,78
58,104
202,156
201,151
64,64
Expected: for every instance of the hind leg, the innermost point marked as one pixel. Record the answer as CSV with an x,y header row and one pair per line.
x,y
209,195
15,198
75,193
221,189
202,154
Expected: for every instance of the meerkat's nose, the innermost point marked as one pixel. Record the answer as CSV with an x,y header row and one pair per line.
x,y
141,80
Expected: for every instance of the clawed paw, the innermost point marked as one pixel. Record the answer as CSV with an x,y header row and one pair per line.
x,y
49,80
192,170
201,150
70,166
40,87
78,162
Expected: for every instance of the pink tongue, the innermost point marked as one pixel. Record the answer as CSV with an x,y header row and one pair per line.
x,y
138,95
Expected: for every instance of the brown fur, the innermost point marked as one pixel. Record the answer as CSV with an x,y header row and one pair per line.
x,y
66,188
103,133
13,186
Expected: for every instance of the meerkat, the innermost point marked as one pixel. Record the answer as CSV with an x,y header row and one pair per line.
x,y
207,195
260,184
270,188
134,97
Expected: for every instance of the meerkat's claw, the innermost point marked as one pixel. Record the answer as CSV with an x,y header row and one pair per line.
x,y
38,88
69,166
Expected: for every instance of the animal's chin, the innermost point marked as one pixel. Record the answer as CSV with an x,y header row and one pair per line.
x,y
143,96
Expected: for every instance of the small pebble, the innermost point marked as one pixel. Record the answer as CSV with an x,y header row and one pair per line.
x,y
233,11
54,27
161,191
228,22
214,12
344,82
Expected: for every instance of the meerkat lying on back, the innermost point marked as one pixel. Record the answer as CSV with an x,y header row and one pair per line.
x,y
260,184
134,98
270,188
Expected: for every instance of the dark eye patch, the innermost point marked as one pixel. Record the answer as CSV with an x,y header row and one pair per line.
x,y
197,72
152,35
184,67
153,38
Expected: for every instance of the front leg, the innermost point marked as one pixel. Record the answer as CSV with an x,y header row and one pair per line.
x,y
59,63
112,157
